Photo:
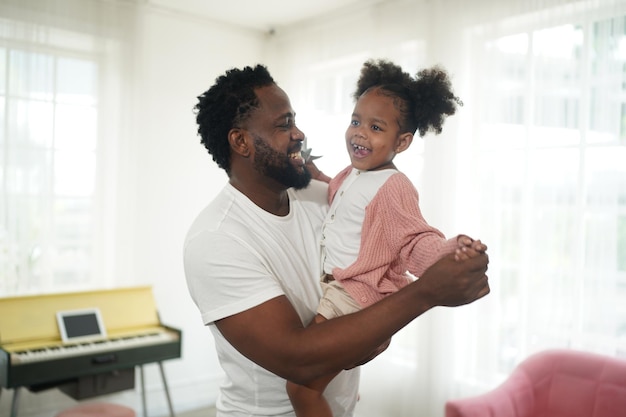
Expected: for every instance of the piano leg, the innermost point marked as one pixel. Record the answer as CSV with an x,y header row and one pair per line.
x,y
167,391
16,401
143,391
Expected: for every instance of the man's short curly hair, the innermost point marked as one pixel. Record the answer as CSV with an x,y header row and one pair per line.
x,y
226,105
423,101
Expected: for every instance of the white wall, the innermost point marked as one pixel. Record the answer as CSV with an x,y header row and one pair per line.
x,y
177,59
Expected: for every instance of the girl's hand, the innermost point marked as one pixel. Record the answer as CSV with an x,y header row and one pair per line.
x,y
468,248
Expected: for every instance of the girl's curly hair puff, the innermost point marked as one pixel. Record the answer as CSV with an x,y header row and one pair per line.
x,y
225,105
423,101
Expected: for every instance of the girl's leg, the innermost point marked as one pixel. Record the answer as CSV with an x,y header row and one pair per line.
x,y
309,401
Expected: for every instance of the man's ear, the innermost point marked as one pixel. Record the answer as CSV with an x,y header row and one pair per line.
x,y
238,141
403,142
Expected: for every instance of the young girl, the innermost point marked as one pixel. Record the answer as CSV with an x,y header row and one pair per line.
x,y
374,231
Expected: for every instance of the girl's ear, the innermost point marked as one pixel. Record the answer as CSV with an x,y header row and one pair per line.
x,y
403,142
238,141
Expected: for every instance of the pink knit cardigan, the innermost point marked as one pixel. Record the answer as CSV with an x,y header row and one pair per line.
x,y
395,239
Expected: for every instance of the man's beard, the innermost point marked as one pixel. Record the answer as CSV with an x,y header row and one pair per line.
x,y
276,165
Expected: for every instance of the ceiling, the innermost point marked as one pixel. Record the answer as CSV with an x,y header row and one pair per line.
x,y
262,15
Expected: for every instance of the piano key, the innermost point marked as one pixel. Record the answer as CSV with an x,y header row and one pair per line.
x,y
55,352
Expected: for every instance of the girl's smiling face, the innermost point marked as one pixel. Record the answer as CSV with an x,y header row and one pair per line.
x,y
373,138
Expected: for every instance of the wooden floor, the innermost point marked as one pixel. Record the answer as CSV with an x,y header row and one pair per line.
x,y
202,412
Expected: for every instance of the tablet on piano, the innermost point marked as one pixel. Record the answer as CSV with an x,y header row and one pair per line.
x,y
81,325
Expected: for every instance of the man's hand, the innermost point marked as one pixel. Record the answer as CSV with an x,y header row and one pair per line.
x,y
451,283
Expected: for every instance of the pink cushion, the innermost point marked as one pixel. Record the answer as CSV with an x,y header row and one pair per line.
x,y
97,410
554,383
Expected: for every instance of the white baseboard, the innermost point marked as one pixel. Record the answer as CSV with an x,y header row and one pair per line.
x,y
186,395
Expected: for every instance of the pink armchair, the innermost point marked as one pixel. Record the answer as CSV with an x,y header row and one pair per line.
x,y
553,383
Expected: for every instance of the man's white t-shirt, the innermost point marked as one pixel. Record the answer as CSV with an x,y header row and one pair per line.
x,y
238,256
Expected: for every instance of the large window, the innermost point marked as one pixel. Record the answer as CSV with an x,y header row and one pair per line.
x,y
60,78
48,125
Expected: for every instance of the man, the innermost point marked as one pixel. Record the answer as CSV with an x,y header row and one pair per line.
x,y
252,260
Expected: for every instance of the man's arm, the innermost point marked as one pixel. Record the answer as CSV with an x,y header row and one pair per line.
x,y
272,335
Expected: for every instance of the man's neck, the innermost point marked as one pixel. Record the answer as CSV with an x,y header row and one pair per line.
x,y
273,200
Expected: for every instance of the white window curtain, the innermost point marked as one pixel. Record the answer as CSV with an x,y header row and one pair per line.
x,y
551,145
60,73
552,148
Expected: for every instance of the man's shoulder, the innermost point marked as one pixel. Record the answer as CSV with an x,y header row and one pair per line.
x,y
214,218
311,202
316,192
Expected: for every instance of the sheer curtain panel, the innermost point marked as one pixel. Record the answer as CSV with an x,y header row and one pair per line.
x,y
60,73
551,145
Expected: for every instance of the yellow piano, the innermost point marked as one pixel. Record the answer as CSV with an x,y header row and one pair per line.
x,y
34,355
